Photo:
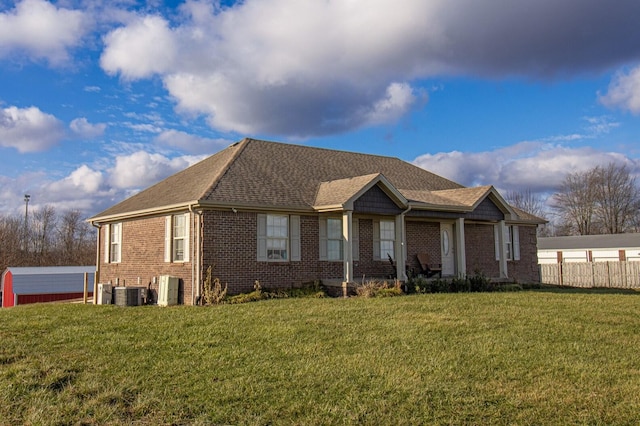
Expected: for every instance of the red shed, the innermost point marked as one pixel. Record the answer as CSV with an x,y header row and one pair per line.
x,y
21,286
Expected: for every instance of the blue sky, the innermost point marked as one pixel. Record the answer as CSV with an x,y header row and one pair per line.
x,y
99,99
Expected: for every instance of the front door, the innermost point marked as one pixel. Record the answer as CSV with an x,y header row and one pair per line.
x,y
447,249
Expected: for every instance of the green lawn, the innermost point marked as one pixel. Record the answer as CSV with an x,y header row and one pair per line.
x,y
530,357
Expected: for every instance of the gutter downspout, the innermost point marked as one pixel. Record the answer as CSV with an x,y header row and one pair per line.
x,y
96,276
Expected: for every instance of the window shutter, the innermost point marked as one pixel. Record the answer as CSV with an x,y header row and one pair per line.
x,y
496,239
294,241
262,237
168,223
107,243
516,242
322,225
376,239
187,228
355,237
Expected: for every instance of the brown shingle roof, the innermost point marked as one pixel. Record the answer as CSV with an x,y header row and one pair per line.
x,y
340,191
278,175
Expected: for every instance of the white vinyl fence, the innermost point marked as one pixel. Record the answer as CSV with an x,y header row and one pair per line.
x,y
592,274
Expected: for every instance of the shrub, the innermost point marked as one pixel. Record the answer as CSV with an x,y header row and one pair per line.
x,y
373,288
470,283
258,293
213,293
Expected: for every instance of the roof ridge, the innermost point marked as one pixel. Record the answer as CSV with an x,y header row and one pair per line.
x,y
216,179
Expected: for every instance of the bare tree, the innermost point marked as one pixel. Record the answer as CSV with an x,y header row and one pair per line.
x,y
11,234
575,203
526,201
617,198
74,239
42,232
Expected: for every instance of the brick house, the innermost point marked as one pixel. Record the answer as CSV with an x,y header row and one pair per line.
x,y
287,214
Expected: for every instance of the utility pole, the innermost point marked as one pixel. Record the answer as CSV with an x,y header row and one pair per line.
x,y
27,197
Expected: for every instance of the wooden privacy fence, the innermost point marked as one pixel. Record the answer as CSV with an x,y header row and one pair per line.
x,y
592,274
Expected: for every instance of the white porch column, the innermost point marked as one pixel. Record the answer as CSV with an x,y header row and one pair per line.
x,y
347,241
502,249
461,249
399,248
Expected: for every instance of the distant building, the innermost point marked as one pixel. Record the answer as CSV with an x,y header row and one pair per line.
x,y
589,248
21,286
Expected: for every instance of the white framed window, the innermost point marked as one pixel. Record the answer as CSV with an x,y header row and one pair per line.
x,y
384,239
278,238
176,239
387,239
332,239
179,236
113,243
511,241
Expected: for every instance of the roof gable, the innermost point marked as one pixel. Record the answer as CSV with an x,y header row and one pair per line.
x,y
343,193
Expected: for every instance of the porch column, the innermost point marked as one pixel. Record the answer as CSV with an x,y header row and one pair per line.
x,y
461,249
399,249
347,241
502,249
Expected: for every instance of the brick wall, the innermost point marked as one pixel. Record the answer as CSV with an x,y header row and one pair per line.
x,y
481,255
366,267
423,237
229,244
480,241
526,270
142,258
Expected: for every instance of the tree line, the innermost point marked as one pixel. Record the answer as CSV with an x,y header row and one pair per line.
x,y
601,200
46,237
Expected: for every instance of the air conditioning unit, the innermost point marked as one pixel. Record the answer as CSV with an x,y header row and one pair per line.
x,y
168,290
128,296
105,294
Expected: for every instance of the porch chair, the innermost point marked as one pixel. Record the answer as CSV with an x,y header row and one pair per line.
x,y
426,268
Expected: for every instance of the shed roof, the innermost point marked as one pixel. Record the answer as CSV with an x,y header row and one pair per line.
x,y
50,270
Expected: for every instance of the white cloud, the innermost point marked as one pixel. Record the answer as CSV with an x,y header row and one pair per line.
x,y
81,182
41,30
29,129
190,143
624,92
141,49
398,100
309,68
141,169
84,129
538,166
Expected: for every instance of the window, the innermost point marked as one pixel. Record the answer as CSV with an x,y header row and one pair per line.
x,y
278,238
384,236
179,235
332,239
176,238
511,240
113,243
387,239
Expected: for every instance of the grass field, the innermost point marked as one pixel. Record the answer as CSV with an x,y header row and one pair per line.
x,y
531,357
